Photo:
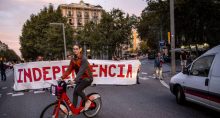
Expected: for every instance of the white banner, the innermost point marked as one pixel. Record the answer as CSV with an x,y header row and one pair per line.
x,y
36,75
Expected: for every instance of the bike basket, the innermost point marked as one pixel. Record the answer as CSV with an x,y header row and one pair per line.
x,y
56,90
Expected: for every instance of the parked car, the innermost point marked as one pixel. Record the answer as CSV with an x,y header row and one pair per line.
x,y
200,81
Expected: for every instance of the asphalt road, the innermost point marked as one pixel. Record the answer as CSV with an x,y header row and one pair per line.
x,y
150,99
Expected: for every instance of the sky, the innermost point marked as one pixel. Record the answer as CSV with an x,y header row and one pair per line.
x,y
14,13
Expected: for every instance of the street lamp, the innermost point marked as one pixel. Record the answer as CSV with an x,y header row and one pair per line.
x,y
64,39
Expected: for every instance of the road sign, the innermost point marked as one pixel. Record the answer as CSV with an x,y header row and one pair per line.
x,y
162,43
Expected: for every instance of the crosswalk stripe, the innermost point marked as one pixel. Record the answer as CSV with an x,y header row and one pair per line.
x,y
9,93
35,92
143,78
144,73
162,82
151,76
17,94
4,87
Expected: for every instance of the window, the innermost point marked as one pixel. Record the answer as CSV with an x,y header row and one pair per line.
x,y
79,22
79,14
95,15
70,22
69,13
86,14
202,66
86,21
216,66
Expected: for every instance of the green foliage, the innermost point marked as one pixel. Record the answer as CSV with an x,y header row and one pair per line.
x,y
40,38
113,30
196,22
143,47
9,55
154,20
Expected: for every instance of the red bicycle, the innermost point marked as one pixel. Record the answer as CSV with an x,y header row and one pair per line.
x,y
63,107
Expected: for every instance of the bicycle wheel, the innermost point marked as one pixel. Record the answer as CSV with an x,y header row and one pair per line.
x,y
92,112
48,111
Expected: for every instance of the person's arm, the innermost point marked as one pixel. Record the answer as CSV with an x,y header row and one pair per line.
x,y
82,69
69,70
162,59
180,56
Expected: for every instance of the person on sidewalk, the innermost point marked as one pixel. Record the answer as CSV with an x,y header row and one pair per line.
x,y
183,59
2,69
158,66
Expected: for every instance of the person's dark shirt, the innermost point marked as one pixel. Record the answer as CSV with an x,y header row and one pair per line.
x,y
183,55
2,66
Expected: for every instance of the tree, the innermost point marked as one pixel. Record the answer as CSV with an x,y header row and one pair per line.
x,y
106,37
154,23
144,47
196,22
8,54
39,38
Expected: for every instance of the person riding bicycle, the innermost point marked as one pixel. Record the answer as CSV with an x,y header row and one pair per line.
x,y
84,78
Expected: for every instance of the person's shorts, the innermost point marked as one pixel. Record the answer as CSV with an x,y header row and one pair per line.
x,y
183,63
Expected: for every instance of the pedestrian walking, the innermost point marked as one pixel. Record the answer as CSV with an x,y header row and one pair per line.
x,y
183,59
158,66
3,68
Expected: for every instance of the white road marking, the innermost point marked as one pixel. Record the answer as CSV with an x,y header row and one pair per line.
x,y
143,78
164,84
17,94
30,91
35,92
9,93
143,73
4,87
151,76
4,114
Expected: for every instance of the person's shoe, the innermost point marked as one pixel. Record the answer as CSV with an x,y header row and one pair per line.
x,y
87,105
70,113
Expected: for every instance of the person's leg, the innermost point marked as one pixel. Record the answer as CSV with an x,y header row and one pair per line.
x,y
75,96
157,72
137,78
79,90
160,73
182,65
185,62
4,76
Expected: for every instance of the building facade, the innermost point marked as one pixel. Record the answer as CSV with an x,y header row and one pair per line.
x,y
78,14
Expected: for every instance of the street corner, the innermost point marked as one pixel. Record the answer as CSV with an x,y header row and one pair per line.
x,y
167,76
166,79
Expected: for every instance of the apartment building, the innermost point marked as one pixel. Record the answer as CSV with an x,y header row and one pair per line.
x,y
78,14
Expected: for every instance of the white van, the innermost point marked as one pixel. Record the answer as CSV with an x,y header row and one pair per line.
x,y
200,81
